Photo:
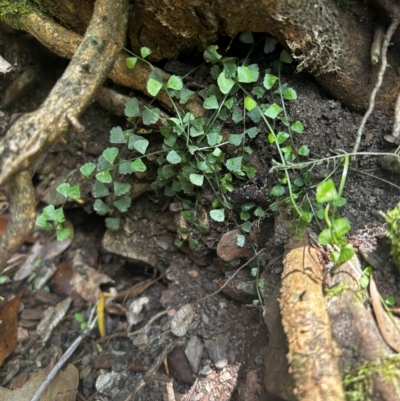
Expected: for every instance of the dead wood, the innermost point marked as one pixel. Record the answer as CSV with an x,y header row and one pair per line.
x,y
313,355
35,132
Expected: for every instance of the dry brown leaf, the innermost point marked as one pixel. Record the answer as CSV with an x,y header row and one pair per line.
x,y
386,326
87,280
62,388
9,326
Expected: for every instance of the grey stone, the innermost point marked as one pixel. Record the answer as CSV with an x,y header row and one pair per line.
x,y
218,350
194,352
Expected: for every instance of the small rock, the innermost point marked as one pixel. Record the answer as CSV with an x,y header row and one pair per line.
x,y
205,371
224,377
105,382
218,350
228,250
194,352
141,339
181,321
179,366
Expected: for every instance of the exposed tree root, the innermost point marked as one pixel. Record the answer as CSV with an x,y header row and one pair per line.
x,y
35,132
313,355
64,43
388,36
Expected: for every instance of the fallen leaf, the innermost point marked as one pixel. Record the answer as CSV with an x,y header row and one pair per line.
x,y
52,316
386,326
62,388
87,280
9,326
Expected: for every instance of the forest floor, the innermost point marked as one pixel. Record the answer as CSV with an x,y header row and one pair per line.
x,y
227,334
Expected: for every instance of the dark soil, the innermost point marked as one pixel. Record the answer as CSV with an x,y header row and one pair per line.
x,y
225,316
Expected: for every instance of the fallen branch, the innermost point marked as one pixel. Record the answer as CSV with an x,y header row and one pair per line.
x,y
32,134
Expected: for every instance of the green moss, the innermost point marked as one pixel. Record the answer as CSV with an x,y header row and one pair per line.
x,y
393,232
358,384
13,12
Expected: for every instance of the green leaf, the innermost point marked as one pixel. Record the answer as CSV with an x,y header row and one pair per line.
x,y
346,253
117,135
151,116
245,75
63,233
211,103
244,215
246,226
252,132
269,81
285,57
218,215
271,138
110,154
145,51
63,189
121,188
104,176
153,86
196,179
74,192
131,62
132,108
246,37
237,115
325,237
235,139
42,222
175,83
230,67
123,204
225,84
341,226
250,172
173,157
99,190
303,150
102,163
249,103
281,137
277,190
363,282
254,271
138,143
240,240
185,95
269,45
215,71
229,103
100,207
211,54
113,223
125,167
259,212
87,169
326,192
290,94
258,92
298,127
213,138
340,202
273,111
138,166
234,164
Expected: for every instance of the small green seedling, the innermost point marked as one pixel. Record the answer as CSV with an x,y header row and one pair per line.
x,y
81,320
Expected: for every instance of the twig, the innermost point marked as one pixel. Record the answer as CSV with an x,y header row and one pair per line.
x,y
230,278
53,372
388,36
